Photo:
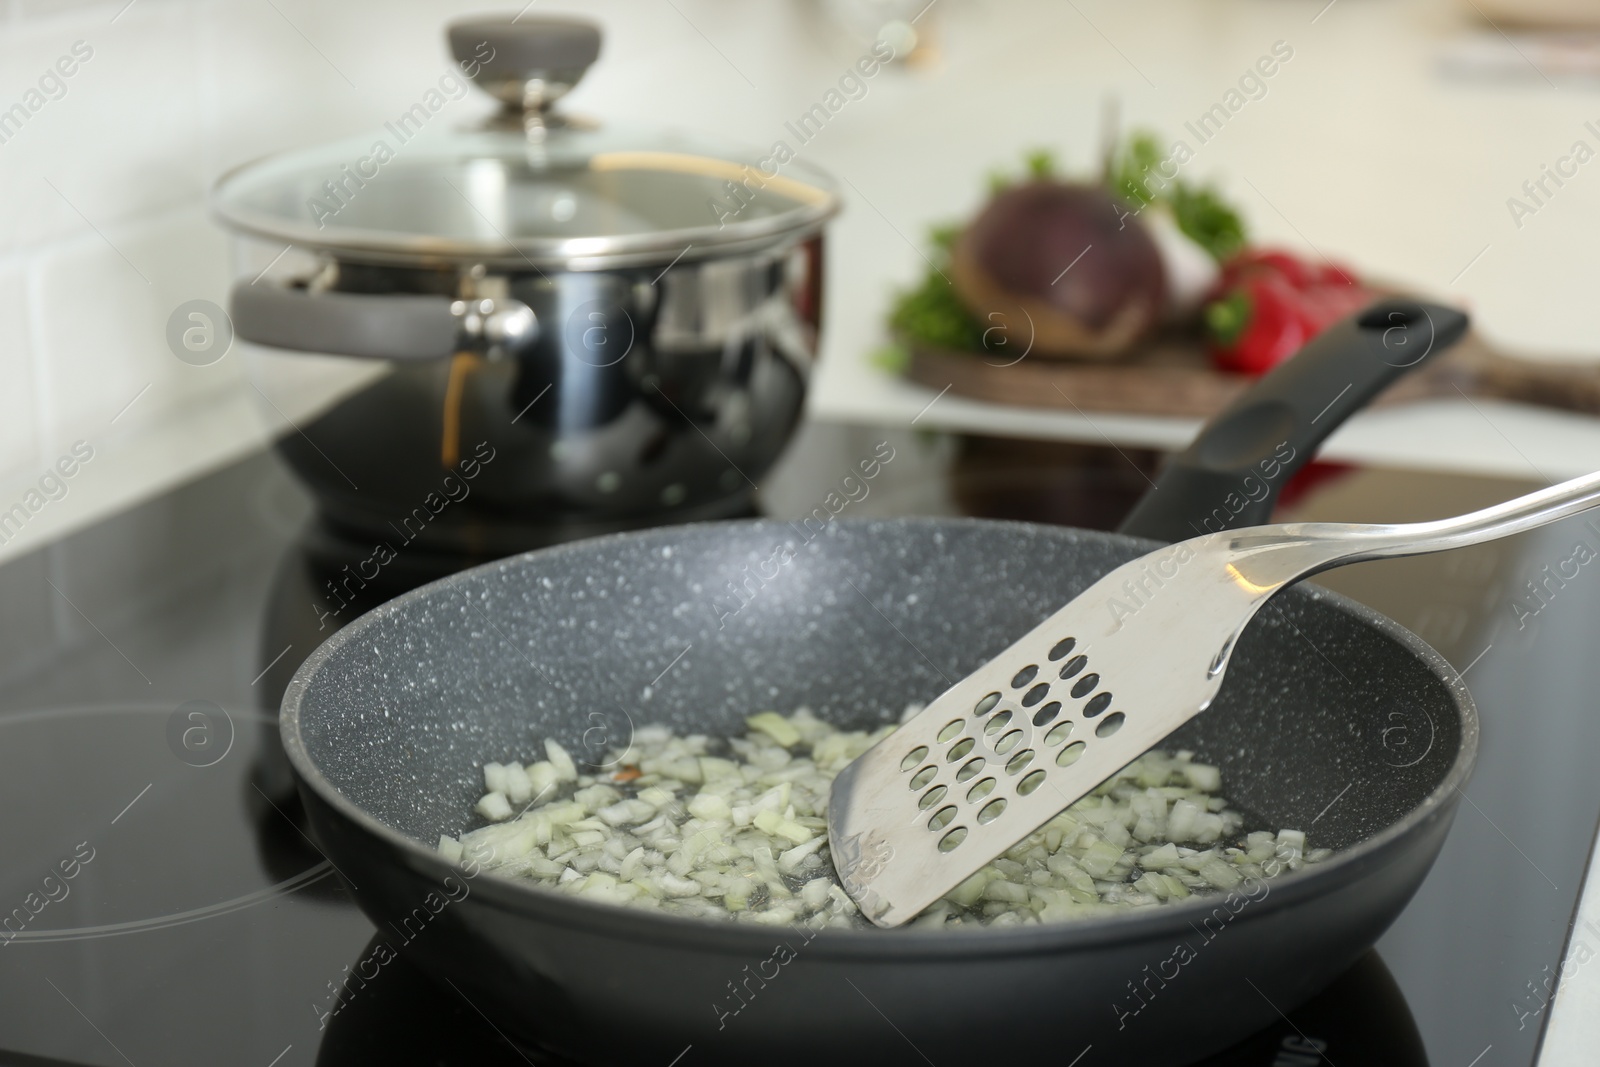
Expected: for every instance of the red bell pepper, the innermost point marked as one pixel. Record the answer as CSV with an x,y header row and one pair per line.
x,y
1269,303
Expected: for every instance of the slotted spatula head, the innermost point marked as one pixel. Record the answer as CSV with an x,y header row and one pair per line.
x,y
1006,748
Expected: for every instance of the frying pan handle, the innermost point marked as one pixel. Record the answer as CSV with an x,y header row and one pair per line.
x,y
1231,473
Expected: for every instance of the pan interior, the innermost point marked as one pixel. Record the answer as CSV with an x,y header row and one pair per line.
x,y
1331,720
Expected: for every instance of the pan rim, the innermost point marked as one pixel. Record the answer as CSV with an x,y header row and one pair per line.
x,y
532,901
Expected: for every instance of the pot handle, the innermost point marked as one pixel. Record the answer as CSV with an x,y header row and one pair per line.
x,y
408,327
1231,473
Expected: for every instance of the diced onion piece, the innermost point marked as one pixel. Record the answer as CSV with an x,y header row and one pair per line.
x,y
1204,777
776,727
969,892
1100,858
736,894
624,812
518,787
679,887
1163,856
1154,884
711,807
1181,821
543,777
493,806
773,823
713,769
562,814
565,768
1207,828
789,860
632,864
1220,873
450,848
1010,892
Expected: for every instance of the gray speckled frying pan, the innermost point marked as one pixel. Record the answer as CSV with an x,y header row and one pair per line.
x,y
387,724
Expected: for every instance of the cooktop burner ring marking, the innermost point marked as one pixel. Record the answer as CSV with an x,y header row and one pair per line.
x,y
309,876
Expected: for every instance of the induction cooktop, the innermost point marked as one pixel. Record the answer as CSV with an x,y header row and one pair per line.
x,y
161,903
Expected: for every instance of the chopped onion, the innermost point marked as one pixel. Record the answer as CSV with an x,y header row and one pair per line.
x,y
493,806
737,829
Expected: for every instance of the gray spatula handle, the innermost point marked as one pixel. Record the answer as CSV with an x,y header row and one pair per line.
x,y
1341,543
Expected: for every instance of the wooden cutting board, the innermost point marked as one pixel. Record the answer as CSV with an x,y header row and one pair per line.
x,y
1172,376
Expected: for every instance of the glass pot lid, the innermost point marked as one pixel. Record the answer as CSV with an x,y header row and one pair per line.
x,y
528,187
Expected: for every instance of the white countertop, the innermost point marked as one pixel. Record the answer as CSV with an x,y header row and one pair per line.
x,y
1573,1032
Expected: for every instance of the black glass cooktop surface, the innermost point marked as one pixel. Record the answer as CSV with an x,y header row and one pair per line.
x,y
160,904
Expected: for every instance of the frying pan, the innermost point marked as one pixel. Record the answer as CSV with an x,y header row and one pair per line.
x,y
1333,719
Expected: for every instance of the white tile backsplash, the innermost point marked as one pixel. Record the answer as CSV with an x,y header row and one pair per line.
x,y
120,138
101,305
33,139
73,12
103,221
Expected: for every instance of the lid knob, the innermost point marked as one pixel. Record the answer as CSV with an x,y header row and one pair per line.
x,y
527,63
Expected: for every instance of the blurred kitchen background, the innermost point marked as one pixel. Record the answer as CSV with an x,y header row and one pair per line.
x,y
181,560
1391,141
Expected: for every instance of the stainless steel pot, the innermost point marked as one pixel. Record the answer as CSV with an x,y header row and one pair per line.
x,y
492,338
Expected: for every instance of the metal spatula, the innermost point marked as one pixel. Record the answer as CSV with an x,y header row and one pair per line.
x,y
1087,691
